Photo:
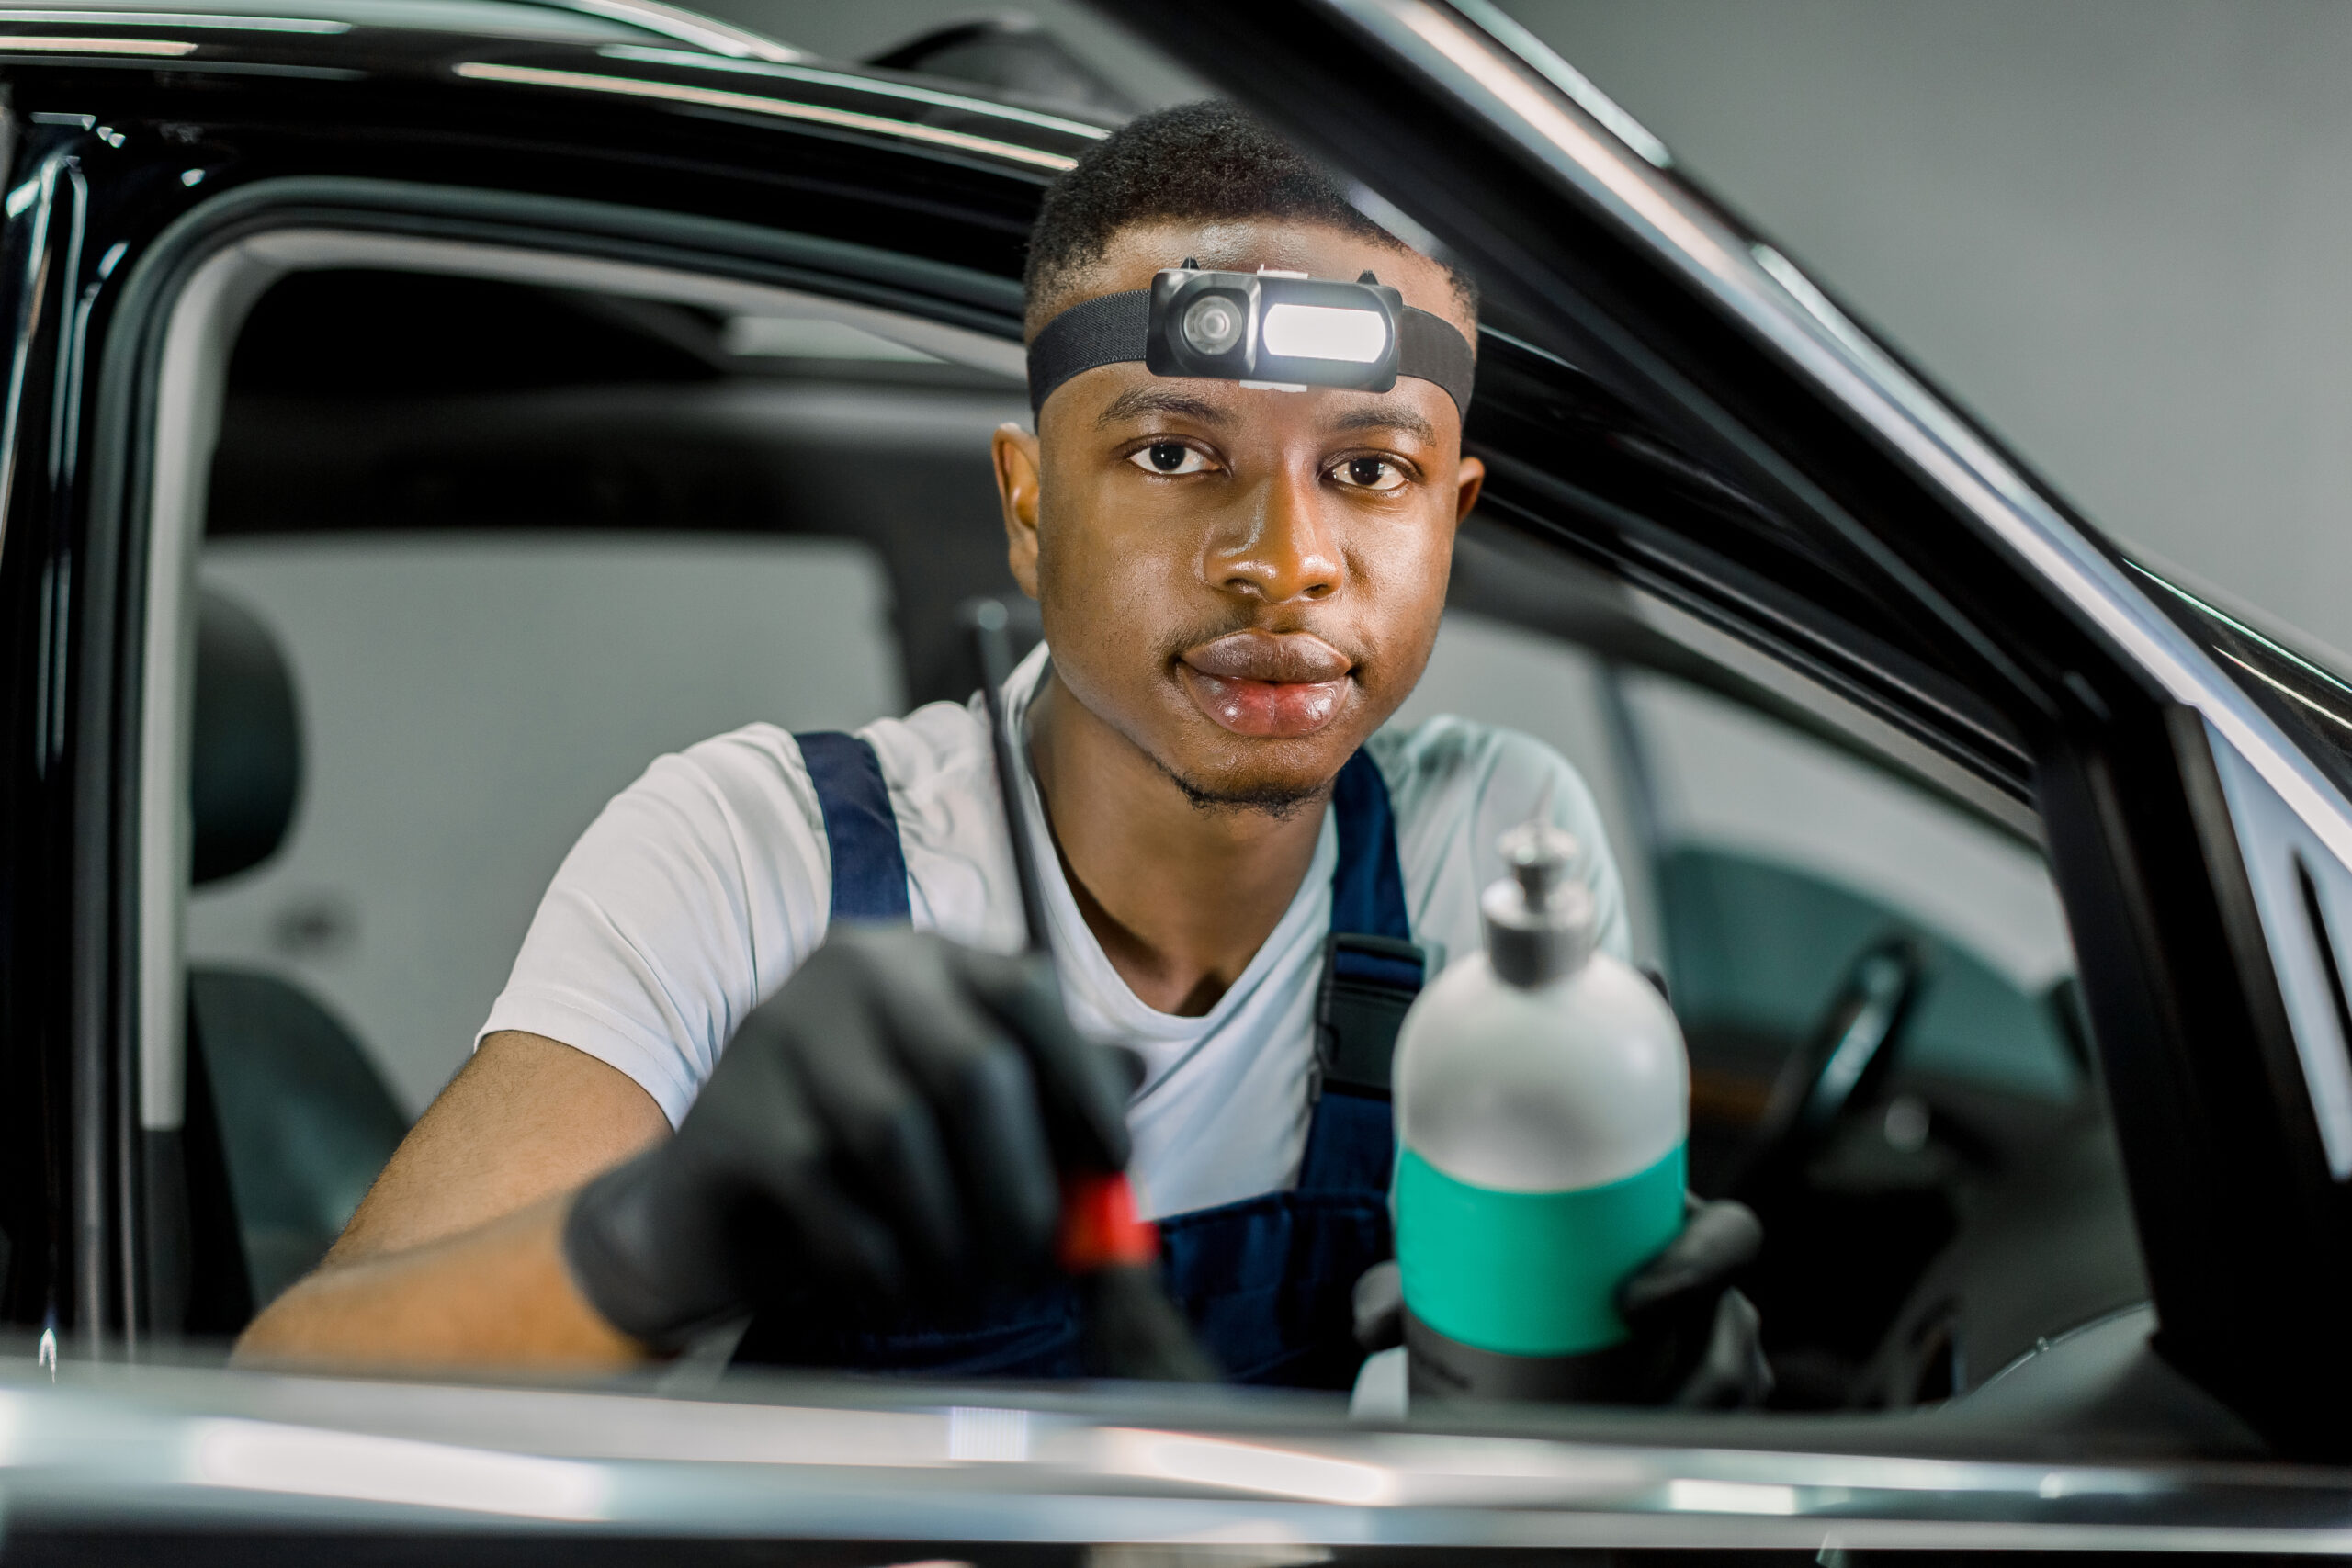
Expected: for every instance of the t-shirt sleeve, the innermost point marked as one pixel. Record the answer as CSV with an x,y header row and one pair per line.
x,y
688,901
1525,771
1457,787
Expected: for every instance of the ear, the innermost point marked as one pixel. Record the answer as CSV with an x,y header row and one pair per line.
x,y
1017,484
1469,478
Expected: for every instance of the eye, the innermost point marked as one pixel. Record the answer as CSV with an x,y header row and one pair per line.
x,y
1369,473
1171,457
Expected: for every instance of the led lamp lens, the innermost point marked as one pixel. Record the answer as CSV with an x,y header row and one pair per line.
x,y
1323,331
1214,324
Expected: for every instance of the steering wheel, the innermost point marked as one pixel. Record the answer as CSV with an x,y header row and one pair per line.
x,y
1846,1059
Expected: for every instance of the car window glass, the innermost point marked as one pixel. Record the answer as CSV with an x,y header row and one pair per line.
x,y
1780,852
514,543
1796,885
511,545
470,702
1581,445
1766,870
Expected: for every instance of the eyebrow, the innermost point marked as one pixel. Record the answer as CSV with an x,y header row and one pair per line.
x,y
1137,401
1388,416
1161,400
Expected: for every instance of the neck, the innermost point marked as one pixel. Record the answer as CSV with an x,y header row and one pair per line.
x,y
1180,898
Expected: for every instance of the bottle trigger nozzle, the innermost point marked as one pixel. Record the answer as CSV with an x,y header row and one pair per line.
x,y
1540,919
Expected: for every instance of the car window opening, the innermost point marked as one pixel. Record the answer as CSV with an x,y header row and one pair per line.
x,y
506,542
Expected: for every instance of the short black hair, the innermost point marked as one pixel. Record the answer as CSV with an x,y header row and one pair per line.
x,y
1197,162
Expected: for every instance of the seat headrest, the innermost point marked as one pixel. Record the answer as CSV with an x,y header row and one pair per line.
x,y
245,751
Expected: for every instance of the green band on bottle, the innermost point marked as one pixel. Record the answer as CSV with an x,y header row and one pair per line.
x,y
1529,1273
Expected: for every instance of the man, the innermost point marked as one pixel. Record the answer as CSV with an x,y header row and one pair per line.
x,y
1240,585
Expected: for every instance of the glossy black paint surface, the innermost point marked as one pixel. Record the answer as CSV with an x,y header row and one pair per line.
x,y
2310,701
1623,420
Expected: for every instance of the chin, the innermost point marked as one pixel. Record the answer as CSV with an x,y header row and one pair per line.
x,y
1273,777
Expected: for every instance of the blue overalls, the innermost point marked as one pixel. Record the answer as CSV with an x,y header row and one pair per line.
x,y
1266,1280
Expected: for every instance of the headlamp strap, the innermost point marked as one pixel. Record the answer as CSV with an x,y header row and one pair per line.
x,y
1110,330
1114,329
1433,349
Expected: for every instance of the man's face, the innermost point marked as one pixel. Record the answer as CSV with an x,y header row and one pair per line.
x,y
1242,583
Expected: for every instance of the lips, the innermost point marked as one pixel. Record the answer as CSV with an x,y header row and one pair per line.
x,y
1267,683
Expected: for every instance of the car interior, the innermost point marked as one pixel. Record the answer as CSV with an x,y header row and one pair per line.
x,y
476,549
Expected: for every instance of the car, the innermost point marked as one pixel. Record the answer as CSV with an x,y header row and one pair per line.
x,y
422,414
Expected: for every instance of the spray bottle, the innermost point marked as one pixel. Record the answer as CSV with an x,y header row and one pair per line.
x,y
1543,1105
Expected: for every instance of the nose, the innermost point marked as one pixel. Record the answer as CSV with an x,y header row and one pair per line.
x,y
1283,549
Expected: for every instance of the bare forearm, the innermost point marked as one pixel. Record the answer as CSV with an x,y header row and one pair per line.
x,y
456,1258
497,1296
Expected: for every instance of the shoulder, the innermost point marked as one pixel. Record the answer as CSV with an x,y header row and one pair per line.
x,y
688,899
942,776
744,783
941,771
759,771
940,746
1449,767
753,786
1455,786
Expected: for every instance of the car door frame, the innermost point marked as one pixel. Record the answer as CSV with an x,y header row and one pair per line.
x,y
1567,207
1503,160
97,229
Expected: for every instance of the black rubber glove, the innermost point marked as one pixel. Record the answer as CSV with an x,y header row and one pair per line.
x,y
890,1125
1696,1342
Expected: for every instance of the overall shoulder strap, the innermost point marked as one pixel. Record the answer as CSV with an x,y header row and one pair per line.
x,y
1372,970
860,830
1368,889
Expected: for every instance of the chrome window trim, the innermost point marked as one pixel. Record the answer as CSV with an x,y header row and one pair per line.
x,y
754,103
807,1460
93,16
678,22
1568,79
2279,852
650,17
852,82
1775,299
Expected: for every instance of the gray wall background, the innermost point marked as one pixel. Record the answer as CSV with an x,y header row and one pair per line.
x,y
2117,229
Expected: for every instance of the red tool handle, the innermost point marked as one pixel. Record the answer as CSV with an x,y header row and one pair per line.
x,y
1099,1226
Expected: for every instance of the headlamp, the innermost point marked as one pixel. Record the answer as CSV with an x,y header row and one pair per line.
x,y
1282,330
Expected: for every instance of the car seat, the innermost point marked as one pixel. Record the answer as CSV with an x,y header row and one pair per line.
x,y
288,1122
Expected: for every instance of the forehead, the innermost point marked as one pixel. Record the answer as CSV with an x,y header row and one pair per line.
x,y
1138,251
1117,397
1135,252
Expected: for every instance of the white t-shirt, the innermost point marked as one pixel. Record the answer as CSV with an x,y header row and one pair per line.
x,y
699,890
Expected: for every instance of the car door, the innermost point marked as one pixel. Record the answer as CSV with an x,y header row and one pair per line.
x,y
1932,565
108,229
1798,527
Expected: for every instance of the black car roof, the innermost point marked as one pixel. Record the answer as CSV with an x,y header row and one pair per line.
x,y
586,21
633,50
